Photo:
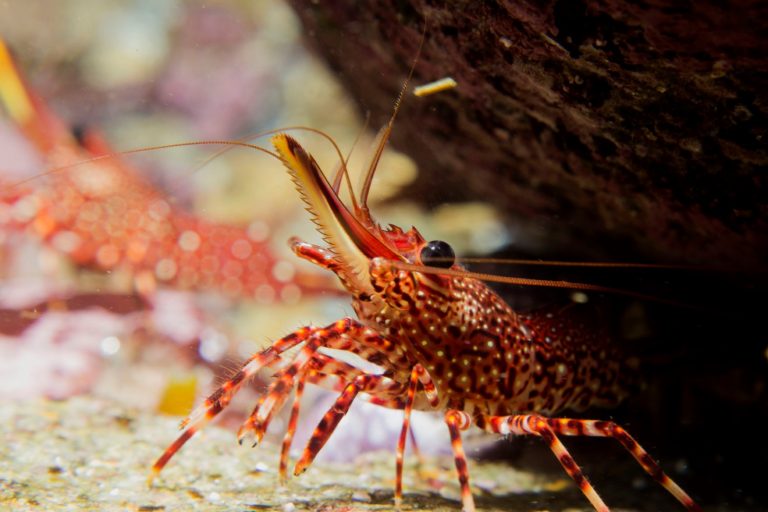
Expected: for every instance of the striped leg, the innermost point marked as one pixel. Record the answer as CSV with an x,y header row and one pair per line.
x,y
384,391
277,393
596,428
458,421
548,428
289,432
418,374
533,424
373,384
322,370
347,334
220,398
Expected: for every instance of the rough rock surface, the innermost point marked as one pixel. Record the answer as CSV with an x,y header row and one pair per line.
x,y
616,129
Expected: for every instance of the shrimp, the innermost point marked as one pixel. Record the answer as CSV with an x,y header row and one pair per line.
x,y
442,339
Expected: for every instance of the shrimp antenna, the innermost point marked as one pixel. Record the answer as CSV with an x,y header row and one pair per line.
x,y
579,264
383,135
343,172
543,283
229,143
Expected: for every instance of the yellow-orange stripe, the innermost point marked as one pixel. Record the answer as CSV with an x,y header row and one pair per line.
x,y
12,91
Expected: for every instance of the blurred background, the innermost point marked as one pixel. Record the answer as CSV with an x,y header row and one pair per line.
x,y
146,73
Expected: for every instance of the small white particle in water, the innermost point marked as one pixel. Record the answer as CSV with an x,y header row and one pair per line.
x,y
437,86
579,297
110,345
289,507
260,467
213,345
214,496
681,466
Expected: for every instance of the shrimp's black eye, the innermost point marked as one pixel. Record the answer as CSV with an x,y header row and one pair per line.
x,y
437,254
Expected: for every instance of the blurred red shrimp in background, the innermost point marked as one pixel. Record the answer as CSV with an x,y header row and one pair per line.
x,y
102,214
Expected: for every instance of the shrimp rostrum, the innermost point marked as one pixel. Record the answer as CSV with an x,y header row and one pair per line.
x,y
443,340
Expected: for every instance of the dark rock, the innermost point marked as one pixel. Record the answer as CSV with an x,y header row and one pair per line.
x,y
615,129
